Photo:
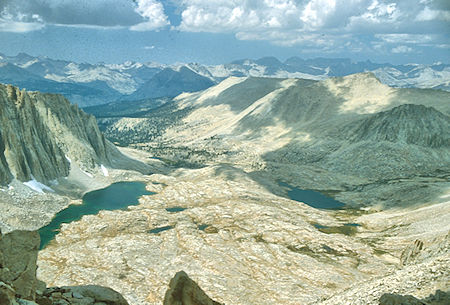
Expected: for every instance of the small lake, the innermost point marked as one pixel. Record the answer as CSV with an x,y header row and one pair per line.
x,y
346,228
175,209
312,198
117,196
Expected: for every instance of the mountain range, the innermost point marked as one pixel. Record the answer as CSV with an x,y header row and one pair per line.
x,y
93,84
354,128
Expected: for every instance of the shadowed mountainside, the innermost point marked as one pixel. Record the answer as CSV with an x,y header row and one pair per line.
x,y
41,134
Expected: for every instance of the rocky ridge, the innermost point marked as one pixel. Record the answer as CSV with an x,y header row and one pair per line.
x,y
42,134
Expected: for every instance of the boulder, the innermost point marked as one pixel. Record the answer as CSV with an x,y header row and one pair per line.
x,y
184,291
84,295
18,255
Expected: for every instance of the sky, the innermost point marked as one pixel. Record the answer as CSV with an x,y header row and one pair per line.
x,y
220,31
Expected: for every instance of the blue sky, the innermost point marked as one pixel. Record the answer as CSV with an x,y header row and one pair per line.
x,y
219,31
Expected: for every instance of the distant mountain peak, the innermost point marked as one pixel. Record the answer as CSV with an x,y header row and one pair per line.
x,y
91,84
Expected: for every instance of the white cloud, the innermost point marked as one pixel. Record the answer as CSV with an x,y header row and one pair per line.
x,y
429,14
316,24
323,22
406,38
18,23
139,15
402,49
315,12
153,12
239,15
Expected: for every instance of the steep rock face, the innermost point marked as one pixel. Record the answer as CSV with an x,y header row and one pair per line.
x,y
41,133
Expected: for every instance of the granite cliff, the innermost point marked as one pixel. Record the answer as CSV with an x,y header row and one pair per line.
x,y
42,133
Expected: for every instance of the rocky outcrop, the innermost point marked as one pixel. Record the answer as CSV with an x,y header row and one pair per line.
x,y
42,133
439,298
396,299
184,291
19,285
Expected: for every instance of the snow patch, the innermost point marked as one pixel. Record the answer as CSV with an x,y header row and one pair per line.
x,y
104,170
87,174
29,63
37,186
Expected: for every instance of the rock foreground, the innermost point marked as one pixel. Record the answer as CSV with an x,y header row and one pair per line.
x,y
19,285
184,291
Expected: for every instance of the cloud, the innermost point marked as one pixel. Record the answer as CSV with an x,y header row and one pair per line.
x,y
402,49
325,25
407,38
318,22
153,12
138,14
19,24
428,14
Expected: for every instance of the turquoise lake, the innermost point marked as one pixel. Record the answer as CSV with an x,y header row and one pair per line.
x,y
117,196
312,198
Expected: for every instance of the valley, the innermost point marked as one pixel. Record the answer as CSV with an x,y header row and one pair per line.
x,y
225,171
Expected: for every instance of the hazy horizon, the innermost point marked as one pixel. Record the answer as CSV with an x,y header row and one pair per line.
x,y
282,60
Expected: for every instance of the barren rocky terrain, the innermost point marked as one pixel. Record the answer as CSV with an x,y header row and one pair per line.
x,y
245,245
222,163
